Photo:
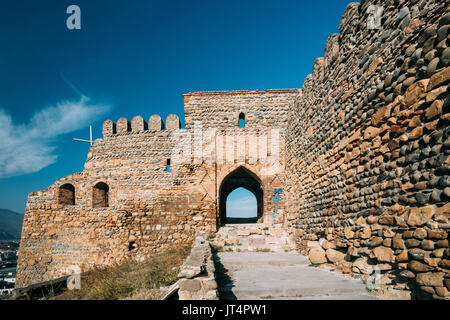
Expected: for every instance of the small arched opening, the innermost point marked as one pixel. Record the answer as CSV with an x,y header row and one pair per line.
x,y
100,195
242,120
168,168
66,195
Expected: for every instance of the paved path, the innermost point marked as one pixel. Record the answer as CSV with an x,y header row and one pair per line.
x,y
286,276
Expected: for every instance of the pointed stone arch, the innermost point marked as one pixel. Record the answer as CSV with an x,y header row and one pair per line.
x,y
241,177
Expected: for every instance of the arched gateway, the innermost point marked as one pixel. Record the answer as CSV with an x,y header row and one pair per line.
x,y
240,178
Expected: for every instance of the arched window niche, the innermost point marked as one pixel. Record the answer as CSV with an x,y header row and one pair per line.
x,y
168,167
66,195
241,120
100,195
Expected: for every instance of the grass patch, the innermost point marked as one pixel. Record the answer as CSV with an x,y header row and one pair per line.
x,y
314,265
215,248
130,280
372,290
263,250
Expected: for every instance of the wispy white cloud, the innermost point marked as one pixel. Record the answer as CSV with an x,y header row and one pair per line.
x,y
28,148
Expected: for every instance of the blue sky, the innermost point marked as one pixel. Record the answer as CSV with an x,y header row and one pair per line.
x,y
241,203
134,58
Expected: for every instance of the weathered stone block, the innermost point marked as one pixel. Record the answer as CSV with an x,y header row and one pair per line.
x,y
418,216
439,78
191,285
414,91
383,254
317,256
434,279
334,255
418,266
371,132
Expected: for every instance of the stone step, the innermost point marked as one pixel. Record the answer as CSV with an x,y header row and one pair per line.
x,y
290,293
251,232
252,227
256,275
253,237
254,240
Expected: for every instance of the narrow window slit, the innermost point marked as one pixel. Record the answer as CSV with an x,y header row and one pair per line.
x,y
242,120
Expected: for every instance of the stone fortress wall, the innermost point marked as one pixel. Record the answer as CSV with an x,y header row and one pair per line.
x,y
125,205
368,148
363,164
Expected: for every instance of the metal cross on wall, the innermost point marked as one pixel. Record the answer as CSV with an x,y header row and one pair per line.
x,y
87,141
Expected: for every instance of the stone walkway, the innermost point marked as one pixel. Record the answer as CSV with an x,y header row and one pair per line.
x,y
281,276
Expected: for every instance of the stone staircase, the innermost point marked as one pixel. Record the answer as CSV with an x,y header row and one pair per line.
x,y
281,276
253,237
255,261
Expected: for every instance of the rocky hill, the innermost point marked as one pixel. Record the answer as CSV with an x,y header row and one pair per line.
x,y
10,224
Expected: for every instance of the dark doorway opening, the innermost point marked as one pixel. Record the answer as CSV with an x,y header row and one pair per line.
x,y
240,178
100,197
66,195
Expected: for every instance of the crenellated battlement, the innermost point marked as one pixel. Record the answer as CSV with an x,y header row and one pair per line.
x,y
139,125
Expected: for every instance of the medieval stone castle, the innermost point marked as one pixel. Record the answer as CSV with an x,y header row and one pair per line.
x,y
359,155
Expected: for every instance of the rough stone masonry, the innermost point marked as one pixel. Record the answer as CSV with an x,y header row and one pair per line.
x,y
368,148
127,204
363,163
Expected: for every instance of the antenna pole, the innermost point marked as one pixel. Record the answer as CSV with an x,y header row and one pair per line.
x,y
90,141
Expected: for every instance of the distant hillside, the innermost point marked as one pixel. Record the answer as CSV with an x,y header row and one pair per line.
x,y
10,224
